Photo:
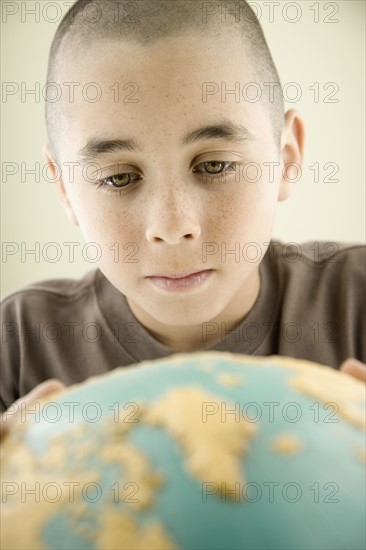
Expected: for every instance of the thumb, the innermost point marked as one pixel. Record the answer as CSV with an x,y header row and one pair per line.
x,y
354,368
44,389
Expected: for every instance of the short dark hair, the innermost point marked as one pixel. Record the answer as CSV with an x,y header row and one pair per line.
x,y
148,21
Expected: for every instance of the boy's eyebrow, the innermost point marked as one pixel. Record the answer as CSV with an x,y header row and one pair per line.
x,y
225,131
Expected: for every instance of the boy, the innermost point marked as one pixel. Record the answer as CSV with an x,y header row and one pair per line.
x,y
162,182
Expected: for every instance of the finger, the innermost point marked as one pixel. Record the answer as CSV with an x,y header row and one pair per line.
x,y
3,428
42,390
355,368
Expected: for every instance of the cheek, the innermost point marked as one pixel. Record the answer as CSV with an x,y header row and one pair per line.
x,y
106,221
113,230
250,208
117,242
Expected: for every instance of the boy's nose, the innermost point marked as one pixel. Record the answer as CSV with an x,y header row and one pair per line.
x,y
172,217
173,229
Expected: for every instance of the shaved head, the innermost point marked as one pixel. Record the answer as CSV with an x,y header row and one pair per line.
x,y
145,22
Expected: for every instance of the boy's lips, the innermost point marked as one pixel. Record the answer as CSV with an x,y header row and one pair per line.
x,y
181,282
180,275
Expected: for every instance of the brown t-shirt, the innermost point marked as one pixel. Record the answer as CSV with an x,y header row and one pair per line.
x,y
310,306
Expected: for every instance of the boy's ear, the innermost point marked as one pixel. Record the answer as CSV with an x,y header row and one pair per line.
x,y
292,153
60,187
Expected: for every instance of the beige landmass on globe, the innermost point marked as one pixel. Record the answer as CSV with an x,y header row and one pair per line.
x,y
213,450
228,379
121,532
136,469
361,454
287,444
328,386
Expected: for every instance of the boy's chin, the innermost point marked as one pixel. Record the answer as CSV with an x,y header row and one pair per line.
x,y
188,314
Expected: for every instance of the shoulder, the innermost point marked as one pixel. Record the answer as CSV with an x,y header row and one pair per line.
x,y
318,272
43,295
328,257
319,289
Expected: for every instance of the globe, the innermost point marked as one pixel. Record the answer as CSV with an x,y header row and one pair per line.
x,y
196,451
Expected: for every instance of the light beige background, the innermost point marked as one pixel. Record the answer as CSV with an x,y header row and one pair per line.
x,y
305,52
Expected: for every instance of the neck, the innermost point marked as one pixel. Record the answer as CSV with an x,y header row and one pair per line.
x,y
190,338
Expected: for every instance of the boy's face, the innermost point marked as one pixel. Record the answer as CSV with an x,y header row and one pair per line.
x,y
172,218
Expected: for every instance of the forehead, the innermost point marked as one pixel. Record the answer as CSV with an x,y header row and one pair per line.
x,y
169,84
186,58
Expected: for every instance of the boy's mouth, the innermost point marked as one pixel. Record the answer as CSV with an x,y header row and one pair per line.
x,y
180,281
181,275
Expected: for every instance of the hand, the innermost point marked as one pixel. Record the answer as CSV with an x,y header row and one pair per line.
x,y
355,368
42,390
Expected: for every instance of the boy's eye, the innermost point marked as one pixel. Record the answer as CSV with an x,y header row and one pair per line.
x,y
214,167
117,183
120,182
